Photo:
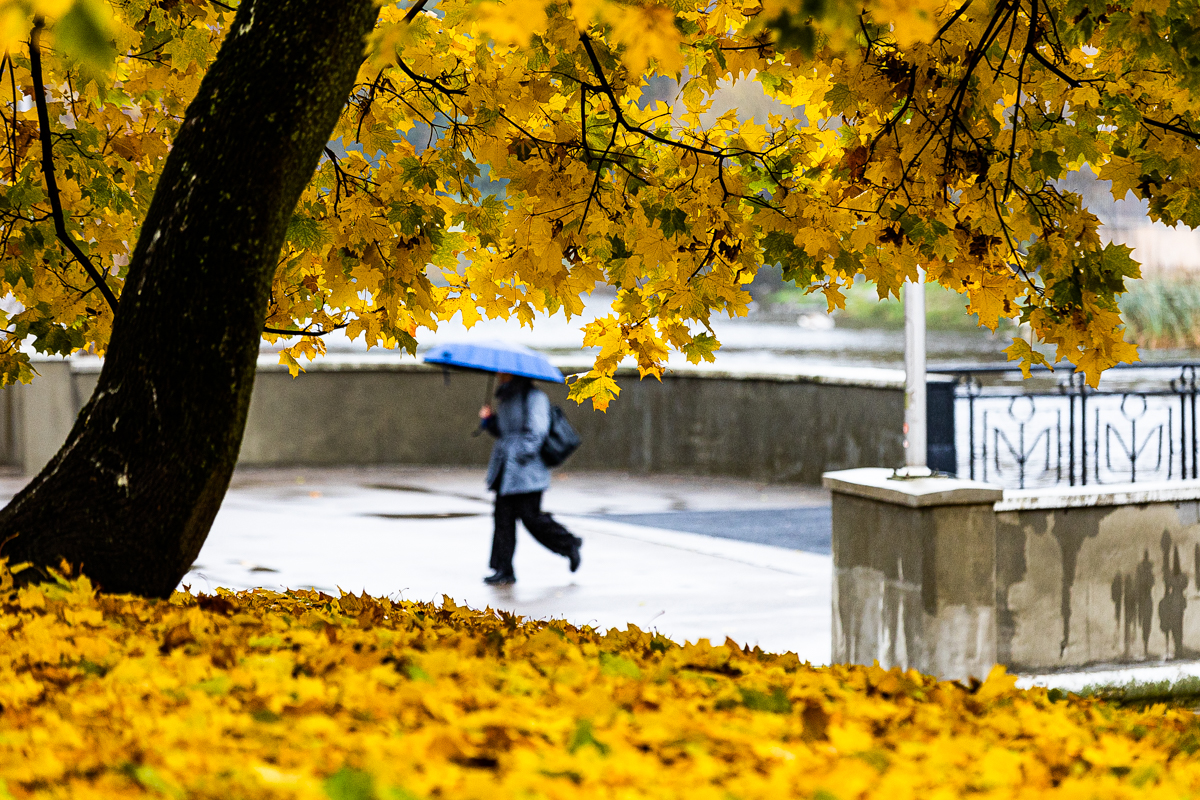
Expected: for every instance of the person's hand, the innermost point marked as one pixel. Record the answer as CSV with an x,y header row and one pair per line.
x,y
485,412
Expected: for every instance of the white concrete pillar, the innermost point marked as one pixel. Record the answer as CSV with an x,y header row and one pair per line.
x,y
915,421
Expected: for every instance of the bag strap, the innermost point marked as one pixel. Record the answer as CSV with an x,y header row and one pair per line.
x,y
525,414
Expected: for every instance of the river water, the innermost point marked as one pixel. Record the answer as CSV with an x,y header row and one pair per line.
x,y
757,336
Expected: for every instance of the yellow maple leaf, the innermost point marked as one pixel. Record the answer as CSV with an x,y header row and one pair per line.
x,y
1020,350
511,22
287,359
991,297
601,389
1125,174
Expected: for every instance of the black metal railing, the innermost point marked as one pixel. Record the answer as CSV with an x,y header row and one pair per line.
x,y
1141,425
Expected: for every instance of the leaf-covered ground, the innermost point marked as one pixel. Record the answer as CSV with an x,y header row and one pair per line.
x,y
305,695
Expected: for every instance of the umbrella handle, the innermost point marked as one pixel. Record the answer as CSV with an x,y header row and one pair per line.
x,y
486,397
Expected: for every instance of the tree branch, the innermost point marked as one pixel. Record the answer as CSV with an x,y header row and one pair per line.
x,y
341,178
596,180
1048,64
60,224
954,18
417,7
11,133
607,89
954,107
1012,34
286,332
587,150
427,81
1166,126
890,125
366,109
1030,47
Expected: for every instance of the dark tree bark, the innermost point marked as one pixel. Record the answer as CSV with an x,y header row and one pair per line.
x,y
131,496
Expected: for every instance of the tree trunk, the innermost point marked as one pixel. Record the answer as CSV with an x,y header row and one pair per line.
x,y
130,497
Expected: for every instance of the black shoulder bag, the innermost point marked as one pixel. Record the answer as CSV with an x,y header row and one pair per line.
x,y
561,440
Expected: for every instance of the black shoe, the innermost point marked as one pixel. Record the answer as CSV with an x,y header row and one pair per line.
x,y
573,554
500,579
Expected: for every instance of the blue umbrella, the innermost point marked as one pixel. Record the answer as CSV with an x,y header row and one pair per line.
x,y
495,357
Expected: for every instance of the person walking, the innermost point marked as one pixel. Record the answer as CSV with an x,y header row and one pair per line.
x,y
516,473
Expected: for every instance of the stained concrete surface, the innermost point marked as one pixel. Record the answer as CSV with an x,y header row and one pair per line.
x,y
1081,586
1116,584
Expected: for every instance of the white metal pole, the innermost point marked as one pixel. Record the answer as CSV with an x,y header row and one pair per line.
x,y
914,378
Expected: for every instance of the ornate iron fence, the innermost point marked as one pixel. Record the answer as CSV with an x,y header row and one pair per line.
x,y
1141,425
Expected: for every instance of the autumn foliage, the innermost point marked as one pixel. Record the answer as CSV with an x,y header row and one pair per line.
x,y
303,695
504,158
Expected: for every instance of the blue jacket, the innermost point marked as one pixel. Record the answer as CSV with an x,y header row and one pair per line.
x,y
520,426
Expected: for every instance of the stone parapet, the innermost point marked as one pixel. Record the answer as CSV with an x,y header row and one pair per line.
x,y
913,572
769,422
952,580
874,483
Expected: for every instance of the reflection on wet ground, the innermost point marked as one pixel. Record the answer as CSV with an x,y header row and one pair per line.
x,y
807,529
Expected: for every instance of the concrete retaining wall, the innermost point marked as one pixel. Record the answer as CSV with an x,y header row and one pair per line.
x,y
776,426
952,576
1100,576
784,430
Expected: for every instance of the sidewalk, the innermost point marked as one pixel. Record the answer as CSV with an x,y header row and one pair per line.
x,y
422,533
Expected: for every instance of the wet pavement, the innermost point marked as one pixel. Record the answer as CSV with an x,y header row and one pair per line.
x,y
421,533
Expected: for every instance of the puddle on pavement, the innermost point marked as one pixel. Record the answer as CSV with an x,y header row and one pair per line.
x,y
432,515
400,487
249,565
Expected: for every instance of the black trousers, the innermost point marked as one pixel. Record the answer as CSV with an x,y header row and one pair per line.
x,y
526,507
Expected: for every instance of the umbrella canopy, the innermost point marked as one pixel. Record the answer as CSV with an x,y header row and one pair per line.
x,y
495,357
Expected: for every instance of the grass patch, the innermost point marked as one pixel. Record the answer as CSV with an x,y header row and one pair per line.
x,y
1163,311
1184,693
944,310
1160,312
